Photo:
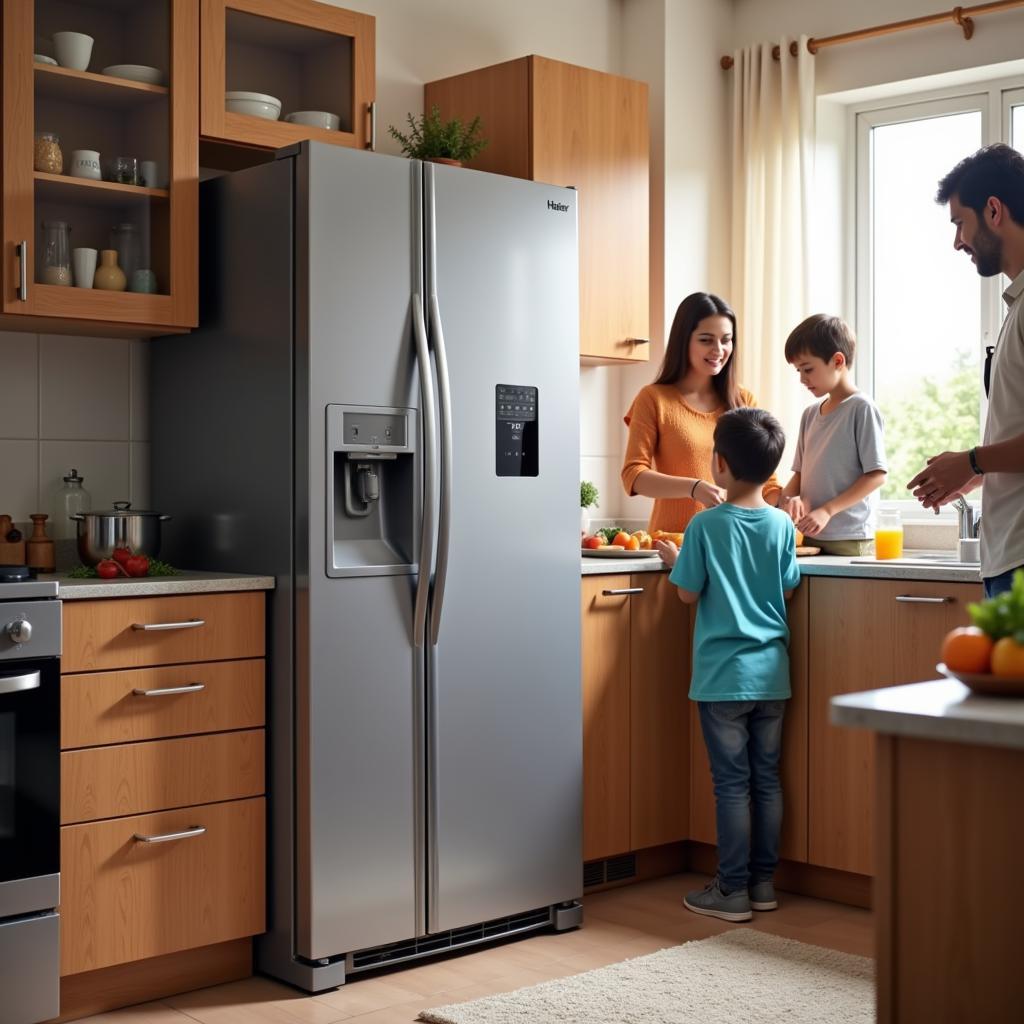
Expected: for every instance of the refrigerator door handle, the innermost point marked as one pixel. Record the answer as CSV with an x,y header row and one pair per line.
x,y
419,329
445,402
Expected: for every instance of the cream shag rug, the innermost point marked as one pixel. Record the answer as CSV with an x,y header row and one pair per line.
x,y
741,975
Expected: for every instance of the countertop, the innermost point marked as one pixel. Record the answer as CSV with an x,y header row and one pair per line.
x,y
812,565
939,710
184,582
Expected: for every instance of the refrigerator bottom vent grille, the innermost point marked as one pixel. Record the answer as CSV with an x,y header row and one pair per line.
x,y
614,869
379,956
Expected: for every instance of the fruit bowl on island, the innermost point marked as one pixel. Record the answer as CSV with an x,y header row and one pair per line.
x,y
987,683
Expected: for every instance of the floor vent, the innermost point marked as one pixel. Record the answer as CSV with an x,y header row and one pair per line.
x,y
411,949
614,869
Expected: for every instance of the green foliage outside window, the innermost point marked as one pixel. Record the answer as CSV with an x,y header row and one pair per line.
x,y
938,415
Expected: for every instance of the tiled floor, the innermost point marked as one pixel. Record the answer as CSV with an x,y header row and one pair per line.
x,y
618,924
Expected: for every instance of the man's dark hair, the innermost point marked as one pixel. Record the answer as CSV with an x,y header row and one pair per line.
x,y
751,442
822,336
996,170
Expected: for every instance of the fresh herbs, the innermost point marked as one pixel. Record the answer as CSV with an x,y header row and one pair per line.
x,y
588,494
1002,615
156,568
430,137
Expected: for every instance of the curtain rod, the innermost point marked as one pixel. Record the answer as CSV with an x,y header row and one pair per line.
x,y
961,16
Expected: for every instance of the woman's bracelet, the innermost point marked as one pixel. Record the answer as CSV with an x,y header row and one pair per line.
x,y
693,489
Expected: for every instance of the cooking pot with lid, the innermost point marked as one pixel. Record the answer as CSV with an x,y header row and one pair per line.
x,y
120,527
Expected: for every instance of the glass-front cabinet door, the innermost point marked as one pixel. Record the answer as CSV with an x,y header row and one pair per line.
x,y
100,163
275,73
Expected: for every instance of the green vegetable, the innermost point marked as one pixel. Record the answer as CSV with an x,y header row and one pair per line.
x,y
1002,615
83,572
158,568
588,494
609,533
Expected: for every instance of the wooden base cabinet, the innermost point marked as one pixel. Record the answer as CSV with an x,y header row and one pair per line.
x,y
793,845
163,783
865,634
635,742
571,126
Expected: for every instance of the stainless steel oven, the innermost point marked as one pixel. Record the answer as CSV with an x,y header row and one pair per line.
x,y
30,639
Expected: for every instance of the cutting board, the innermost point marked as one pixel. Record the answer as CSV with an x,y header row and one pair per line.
x,y
805,550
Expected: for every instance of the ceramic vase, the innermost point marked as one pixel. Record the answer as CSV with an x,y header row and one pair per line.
x,y
108,274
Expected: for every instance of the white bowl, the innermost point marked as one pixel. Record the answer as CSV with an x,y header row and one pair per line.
x,y
136,73
41,58
73,49
315,119
256,104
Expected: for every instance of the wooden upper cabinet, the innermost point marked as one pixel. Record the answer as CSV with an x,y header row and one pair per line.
x,y
155,123
310,56
571,126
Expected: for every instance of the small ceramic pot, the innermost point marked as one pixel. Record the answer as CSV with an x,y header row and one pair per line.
x,y
108,274
73,49
143,281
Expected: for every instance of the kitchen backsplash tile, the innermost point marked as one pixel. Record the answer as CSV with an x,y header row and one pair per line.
x,y
84,388
19,410
140,391
19,479
601,427
603,473
140,463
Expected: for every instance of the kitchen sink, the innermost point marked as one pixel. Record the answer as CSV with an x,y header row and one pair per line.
x,y
945,559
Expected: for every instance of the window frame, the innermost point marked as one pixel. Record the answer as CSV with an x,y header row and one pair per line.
x,y
994,100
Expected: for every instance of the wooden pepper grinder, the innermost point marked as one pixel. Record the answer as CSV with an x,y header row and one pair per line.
x,y
12,552
39,548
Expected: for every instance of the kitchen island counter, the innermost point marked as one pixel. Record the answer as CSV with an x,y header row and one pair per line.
x,y
184,582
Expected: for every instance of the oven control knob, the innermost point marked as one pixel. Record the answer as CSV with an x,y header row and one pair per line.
x,y
20,631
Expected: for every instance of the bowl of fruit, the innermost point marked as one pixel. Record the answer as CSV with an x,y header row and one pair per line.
x,y
988,656
615,542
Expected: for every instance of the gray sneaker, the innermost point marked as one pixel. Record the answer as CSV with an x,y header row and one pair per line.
x,y
762,896
712,902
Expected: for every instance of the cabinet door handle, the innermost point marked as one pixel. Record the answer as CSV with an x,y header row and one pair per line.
x,y
639,341
167,691
151,626
623,591
23,271
371,110
913,599
167,837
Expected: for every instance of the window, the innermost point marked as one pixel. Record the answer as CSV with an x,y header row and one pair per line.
x,y
924,316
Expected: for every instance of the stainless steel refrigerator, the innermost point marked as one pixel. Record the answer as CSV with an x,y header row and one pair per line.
x,y
380,409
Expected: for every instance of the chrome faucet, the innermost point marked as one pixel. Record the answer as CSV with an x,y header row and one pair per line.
x,y
966,522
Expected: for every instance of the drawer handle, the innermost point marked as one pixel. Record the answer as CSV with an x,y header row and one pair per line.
x,y
911,599
623,591
168,691
167,837
152,626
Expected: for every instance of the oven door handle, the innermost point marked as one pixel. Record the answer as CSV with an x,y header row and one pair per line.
x,y
12,684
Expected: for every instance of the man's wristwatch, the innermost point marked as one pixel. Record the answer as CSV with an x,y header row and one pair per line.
x,y
972,458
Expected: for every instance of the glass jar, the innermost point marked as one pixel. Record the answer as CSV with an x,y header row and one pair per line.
x,y
72,499
48,156
56,253
888,534
124,240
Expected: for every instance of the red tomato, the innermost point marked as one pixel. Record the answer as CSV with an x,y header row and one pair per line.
x,y
137,565
121,555
107,569
591,542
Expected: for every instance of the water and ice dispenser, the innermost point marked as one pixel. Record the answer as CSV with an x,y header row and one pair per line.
x,y
373,501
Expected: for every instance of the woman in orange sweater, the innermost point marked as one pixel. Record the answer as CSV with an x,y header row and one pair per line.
x,y
671,422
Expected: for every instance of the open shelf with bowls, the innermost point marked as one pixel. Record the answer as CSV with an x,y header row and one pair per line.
x,y
276,72
101,157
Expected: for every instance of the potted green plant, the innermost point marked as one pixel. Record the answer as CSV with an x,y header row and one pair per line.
x,y
443,142
588,500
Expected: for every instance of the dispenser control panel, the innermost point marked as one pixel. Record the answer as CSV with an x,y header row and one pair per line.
x,y
373,429
515,433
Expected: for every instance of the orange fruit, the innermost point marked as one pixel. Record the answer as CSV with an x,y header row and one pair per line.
x,y
1008,658
633,544
799,539
967,649
621,539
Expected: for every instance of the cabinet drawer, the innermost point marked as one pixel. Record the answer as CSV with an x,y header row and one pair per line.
x,y
124,899
107,634
133,778
106,707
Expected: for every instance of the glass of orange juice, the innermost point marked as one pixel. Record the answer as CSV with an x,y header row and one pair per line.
x,y
888,534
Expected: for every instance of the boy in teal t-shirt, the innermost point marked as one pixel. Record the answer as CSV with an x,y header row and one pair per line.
x,y
738,565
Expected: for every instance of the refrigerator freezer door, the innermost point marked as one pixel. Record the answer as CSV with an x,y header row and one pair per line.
x,y
504,736
359,679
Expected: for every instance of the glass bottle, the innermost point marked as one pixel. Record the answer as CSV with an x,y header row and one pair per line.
x,y
124,240
47,155
888,534
72,499
56,263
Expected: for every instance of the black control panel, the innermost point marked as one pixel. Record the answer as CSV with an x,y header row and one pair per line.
x,y
515,430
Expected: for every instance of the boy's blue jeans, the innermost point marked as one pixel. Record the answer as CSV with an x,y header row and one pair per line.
x,y
999,584
744,741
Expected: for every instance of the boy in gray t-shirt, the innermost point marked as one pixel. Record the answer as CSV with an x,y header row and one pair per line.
x,y
840,453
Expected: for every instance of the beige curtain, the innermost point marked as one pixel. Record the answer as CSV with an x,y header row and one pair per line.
x,y
773,153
